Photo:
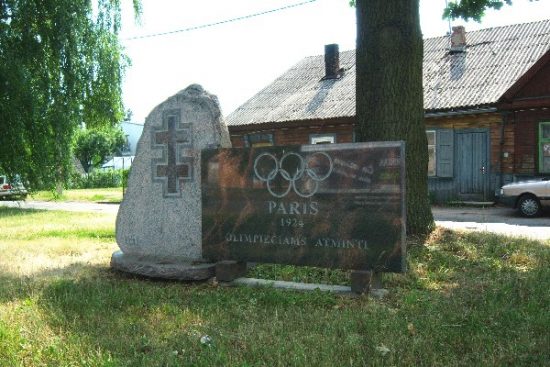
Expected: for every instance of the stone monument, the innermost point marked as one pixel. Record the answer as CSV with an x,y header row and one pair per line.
x,y
331,205
158,227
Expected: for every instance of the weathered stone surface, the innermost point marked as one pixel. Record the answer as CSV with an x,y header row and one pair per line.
x,y
361,281
158,225
155,268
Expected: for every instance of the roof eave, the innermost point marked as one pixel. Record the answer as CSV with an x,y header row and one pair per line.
x,y
508,96
461,111
271,125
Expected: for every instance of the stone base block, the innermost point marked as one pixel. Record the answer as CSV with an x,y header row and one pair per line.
x,y
228,270
161,269
361,281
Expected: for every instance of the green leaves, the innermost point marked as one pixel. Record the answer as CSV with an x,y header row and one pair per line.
x,y
472,9
61,64
91,147
467,9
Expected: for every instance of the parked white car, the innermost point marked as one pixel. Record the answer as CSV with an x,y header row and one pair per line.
x,y
11,190
529,197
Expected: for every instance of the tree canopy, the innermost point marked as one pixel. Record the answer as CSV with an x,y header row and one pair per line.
x,y
472,9
93,146
468,9
61,64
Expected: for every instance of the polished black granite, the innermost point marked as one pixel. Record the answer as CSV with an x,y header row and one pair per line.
x,y
337,205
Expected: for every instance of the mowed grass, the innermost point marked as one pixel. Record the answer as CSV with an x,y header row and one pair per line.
x,y
106,195
467,300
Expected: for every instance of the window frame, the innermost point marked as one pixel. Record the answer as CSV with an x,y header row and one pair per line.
x,y
540,144
259,140
313,137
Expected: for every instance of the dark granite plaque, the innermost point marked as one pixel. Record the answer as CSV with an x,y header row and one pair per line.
x,y
334,205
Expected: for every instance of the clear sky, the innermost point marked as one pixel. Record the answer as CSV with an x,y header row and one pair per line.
x,y
236,59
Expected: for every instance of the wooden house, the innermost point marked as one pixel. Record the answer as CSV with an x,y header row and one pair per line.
x,y
486,102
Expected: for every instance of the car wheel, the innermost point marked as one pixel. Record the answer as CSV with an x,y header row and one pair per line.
x,y
529,206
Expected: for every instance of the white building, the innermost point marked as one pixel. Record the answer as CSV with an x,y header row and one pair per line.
x,y
132,131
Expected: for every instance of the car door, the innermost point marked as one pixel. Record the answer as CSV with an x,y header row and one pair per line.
x,y
545,197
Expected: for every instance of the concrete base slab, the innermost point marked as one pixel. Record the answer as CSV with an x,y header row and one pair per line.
x,y
279,284
153,268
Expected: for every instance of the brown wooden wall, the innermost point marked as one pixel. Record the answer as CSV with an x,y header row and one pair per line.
x,y
513,135
526,124
297,132
538,85
490,121
300,132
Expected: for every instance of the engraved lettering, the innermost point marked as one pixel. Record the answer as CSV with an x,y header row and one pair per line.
x,y
314,208
272,205
389,162
341,243
265,239
293,208
369,170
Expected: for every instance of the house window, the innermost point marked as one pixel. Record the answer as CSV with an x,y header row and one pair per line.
x,y
544,147
322,139
430,134
258,140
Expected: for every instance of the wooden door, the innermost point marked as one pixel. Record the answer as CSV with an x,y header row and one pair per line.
x,y
472,164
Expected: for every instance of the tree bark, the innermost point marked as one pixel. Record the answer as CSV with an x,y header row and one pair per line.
x,y
389,97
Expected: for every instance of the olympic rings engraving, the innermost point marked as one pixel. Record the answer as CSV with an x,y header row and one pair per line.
x,y
303,170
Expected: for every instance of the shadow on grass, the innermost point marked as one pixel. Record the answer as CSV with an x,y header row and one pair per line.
x,y
139,321
482,289
469,299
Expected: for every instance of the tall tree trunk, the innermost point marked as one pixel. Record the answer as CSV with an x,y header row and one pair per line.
x,y
389,98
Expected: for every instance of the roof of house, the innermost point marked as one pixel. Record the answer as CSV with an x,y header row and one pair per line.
x,y
494,60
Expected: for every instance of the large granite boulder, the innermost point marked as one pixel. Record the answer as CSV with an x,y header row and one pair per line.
x,y
158,227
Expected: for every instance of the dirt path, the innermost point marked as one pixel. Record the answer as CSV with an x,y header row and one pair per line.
x,y
71,206
494,219
499,220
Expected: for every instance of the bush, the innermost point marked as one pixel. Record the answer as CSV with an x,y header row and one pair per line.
x,y
125,175
97,179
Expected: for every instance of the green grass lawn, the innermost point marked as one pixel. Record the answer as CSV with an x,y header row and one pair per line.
x,y
467,300
107,195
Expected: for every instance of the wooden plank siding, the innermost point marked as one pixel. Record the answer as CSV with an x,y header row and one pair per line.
x,y
512,138
508,147
490,121
296,132
526,124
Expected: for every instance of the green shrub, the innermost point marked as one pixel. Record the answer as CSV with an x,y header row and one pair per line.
x,y
97,179
125,175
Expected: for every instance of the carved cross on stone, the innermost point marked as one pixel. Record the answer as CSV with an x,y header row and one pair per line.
x,y
172,168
